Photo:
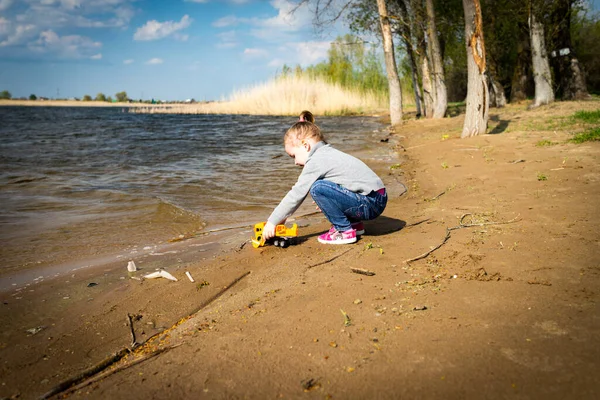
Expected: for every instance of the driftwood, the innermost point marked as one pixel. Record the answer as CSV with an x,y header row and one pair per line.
x,y
460,225
134,342
119,368
98,368
61,387
362,271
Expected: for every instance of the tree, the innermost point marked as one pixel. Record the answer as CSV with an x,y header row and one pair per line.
x,y
390,65
121,97
100,97
32,97
87,97
109,99
568,75
585,28
406,34
522,83
477,111
539,56
440,94
5,95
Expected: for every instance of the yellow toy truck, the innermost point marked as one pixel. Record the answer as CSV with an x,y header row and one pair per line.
x,y
284,236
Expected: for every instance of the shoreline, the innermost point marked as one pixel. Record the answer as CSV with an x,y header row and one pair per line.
x,y
500,309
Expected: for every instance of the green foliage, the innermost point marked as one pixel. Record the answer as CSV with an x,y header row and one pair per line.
x,y
32,97
541,177
587,136
109,99
585,36
121,97
5,95
100,97
348,64
87,97
590,117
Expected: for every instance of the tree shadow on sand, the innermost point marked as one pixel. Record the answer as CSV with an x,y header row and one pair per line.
x,y
500,127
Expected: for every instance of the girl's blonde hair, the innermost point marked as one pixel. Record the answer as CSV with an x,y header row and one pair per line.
x,y
307,116
301,131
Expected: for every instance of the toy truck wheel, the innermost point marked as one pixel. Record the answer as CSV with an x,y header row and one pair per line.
x,y
284,243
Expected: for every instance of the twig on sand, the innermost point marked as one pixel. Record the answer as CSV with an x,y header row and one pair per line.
x,y
459,226
61,387
462,225
77,379
436,197
119,368
134,342
432,250
329,260
362,271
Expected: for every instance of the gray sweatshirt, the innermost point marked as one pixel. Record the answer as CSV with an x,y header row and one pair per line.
x,y
325,162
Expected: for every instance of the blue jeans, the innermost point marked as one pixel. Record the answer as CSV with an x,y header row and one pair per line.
x,y
342,207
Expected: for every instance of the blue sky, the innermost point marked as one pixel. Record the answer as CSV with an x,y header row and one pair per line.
x,y
178,49
169,50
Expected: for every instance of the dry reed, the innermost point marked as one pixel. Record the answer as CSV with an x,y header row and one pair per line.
x,y
285,96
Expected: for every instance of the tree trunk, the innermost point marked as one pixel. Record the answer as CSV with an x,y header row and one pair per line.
x,y
541,67
521,84
406,33
568,77
427,86
390,65
477,113
419,21
439,82
496,90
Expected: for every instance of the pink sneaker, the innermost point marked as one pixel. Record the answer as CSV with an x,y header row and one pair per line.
x,y
359,227
335,237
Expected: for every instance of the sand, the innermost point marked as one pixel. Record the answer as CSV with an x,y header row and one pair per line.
x,y
506,307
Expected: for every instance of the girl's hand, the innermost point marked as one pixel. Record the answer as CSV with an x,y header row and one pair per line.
x,y
317,207
268,231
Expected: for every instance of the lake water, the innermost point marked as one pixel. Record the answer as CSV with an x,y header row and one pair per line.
x,y
79,182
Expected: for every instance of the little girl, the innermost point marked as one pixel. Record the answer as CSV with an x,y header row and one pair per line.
x,y
344,188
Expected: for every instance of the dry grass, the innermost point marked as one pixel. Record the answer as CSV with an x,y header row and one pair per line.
x,y
286,96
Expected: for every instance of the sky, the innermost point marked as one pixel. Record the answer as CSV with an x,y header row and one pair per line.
x,y
167,50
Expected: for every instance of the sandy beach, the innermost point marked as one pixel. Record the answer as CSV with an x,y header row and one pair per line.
x,y
482,281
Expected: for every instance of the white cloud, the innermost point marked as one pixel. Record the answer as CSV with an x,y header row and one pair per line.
x,y
227,39
96,56
289,19
5,4
309,53
255,53
54,14
229,20
72,46
276,62
128,61
206,1
14,34
154,30
154,61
